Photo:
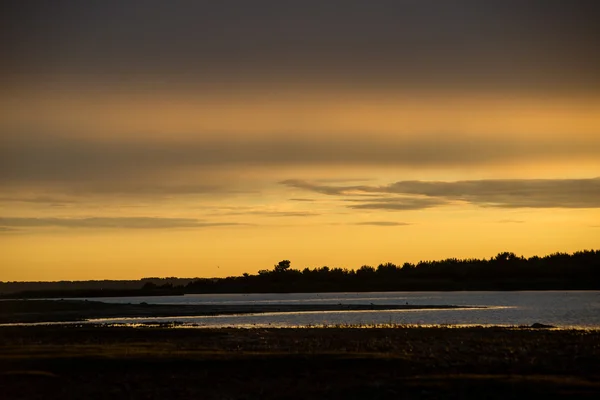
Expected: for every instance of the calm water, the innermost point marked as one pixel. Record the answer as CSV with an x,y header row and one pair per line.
x,y
559,308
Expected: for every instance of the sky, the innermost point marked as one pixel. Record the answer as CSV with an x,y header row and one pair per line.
x,y
204,139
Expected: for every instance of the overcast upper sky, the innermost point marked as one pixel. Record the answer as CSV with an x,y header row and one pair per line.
x,y
545,44
153,138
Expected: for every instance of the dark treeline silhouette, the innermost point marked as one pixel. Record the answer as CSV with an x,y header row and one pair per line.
x,y
506,271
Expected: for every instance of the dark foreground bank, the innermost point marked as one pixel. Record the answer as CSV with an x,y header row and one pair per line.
x,y
95,362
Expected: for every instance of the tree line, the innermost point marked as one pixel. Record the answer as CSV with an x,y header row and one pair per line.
x,y
505,271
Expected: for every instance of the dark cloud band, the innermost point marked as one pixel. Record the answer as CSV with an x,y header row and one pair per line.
x,y
502,193
533,43
56,159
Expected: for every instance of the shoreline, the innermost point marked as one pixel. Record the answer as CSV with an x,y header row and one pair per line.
x,y
33,311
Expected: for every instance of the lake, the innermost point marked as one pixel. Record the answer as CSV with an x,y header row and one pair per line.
x,y
565,309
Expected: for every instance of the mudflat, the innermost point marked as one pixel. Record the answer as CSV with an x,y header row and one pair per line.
x,y
27,311
101,362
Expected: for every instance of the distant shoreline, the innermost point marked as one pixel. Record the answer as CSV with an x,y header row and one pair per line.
x,y
77,295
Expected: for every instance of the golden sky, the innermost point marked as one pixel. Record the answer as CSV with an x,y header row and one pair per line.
x,y
201,139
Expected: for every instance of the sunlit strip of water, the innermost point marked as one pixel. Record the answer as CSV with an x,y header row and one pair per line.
x,y
181,318
282,313
175,325
312,319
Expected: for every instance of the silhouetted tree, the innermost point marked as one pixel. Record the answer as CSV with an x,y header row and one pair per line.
x,y
283,266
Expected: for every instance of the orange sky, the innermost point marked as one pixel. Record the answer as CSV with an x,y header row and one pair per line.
x,y
152,156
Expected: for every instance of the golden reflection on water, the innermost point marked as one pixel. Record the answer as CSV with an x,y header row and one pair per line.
x,y
182,325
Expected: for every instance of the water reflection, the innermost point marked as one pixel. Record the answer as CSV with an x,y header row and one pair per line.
x,y
559,308
505,316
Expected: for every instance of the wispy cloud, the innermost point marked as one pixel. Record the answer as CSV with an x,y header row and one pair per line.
x,y
109,222
382,223
271,213
502,193
286,213
327,189
510,193
398,204
35,199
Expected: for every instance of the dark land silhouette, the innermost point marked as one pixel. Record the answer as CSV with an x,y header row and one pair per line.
x,y
505,271
96,362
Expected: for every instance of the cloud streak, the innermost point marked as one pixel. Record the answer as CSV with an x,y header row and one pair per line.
x,y
271,213
398,204
500,193
382,223
510,193
36,200
9,223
